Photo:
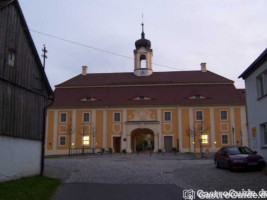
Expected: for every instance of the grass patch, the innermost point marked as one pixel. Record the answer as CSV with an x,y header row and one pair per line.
x,y
30,188
56,156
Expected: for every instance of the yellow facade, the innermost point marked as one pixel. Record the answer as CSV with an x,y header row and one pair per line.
x,y
104,131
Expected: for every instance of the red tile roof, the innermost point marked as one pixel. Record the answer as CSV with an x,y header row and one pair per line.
x,y
119,89
155,78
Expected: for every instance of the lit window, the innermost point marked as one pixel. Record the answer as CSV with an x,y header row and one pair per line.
x,y
86,140
63,117
205,139
167,116
199,115
224,115
86,117
62,140
117,117
11,58
224,139
262,84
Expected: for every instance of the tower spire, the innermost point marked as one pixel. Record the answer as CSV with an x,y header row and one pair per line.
x,y
142,34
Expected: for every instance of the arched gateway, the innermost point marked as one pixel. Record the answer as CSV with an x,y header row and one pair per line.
x,y
142,139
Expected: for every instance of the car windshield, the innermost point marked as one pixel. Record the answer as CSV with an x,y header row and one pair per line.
x,y
239,150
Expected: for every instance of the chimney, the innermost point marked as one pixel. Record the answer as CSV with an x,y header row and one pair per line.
x,y
84,70
203,67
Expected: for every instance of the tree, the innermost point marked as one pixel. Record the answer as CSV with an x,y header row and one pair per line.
x,y
83,131
197,131
69,131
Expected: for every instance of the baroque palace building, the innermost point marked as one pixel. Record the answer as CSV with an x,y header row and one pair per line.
x,y
187,110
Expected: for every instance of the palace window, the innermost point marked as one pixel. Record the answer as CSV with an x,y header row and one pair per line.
x,y
167,116
86,117
62,140
199,115
224,139
205,139
262,84
224,115
86,140
63,117
117,117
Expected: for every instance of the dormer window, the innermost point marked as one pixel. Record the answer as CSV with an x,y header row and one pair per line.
x,y
88,99
197,97
142,98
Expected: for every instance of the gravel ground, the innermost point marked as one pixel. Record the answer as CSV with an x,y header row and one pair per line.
x,y
182,170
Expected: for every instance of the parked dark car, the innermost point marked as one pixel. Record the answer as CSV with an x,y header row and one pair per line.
x,y
238,157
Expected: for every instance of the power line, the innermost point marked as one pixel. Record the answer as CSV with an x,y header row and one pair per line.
x,y
95,48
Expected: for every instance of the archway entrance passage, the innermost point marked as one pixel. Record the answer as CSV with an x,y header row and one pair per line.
x,y
142,139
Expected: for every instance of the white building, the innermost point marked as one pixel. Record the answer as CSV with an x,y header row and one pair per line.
x,y
255,77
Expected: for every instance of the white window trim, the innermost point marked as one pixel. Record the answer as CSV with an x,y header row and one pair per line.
x,y
202,115
60,140
222,139
164,116
114,116
89,117
66,117
227,114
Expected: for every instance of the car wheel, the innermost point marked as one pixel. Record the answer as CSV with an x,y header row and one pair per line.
x,y
216,163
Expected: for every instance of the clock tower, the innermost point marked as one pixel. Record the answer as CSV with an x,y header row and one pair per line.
x,y
143,56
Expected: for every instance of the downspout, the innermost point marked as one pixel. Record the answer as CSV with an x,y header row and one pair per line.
x,y
43,134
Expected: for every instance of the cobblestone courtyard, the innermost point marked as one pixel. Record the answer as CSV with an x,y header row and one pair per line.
x,y
180,170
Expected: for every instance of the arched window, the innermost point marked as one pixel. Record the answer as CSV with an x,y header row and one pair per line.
x,y
143,61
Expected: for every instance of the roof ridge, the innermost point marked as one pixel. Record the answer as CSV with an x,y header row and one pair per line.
x,y
128,78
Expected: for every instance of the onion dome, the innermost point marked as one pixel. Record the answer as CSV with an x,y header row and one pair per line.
x,y
143,42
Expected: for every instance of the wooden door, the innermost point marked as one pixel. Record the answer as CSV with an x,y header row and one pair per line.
x,y
168,143
117,144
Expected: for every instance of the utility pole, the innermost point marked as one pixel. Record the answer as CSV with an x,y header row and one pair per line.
x,y
44,55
